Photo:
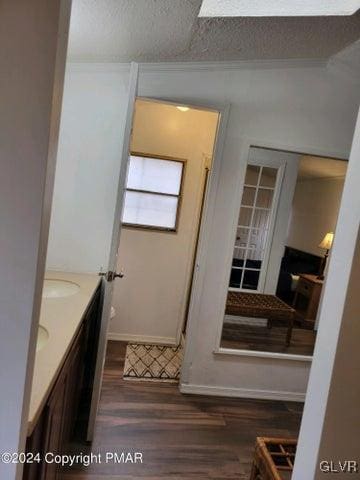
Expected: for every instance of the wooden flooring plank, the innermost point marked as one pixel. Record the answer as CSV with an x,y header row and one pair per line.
x,y
183,437
265,339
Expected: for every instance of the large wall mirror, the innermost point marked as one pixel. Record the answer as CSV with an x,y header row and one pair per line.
x,y
284,231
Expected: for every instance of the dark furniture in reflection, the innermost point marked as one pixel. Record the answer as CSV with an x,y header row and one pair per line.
x,y
307,298
260,305
273,459
295,262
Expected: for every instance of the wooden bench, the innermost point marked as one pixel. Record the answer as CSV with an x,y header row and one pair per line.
x,y
260,305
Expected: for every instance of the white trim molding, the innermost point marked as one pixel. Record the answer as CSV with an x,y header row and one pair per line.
x,y
124,337
260,354
241,393
233,65
115,66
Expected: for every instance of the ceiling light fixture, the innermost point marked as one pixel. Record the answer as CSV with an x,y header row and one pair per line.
x,y
277,8
182,108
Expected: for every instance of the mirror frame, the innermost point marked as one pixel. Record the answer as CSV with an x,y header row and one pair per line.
x,y
249,143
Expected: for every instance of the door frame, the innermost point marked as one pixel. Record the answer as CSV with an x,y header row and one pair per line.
x,y
209,195
203,251
210,188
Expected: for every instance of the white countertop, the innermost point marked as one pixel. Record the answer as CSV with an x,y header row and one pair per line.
x,y
62,318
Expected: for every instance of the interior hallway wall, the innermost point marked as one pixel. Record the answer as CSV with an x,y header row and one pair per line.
x,y
340,435
33,44
286,104
314,212
151,299
330,424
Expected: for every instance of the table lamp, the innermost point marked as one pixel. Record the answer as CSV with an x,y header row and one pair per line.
x,y
325,245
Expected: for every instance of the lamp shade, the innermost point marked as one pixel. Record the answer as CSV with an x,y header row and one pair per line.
x,y
327,241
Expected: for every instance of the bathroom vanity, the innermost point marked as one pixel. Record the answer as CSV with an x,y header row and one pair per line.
x,y
64,369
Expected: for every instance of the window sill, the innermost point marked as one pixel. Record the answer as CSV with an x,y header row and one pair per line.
x,y
254,353
149,228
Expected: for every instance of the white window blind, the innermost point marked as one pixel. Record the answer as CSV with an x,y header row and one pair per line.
x,y
153,192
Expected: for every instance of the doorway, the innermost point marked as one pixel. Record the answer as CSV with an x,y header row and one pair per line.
x,y
171,153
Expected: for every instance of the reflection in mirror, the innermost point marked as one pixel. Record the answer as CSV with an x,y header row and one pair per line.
x,y
275,279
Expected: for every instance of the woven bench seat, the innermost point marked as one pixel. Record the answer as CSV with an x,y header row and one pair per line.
x,y
260,305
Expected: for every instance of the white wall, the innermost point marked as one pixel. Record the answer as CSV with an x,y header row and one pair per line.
x,y
151,299
331,419
340,435
87,169
314,212
296,105
33,41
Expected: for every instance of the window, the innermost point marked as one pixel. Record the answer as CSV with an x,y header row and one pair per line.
x,y
153,192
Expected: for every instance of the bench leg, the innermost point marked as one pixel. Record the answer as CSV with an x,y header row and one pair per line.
x,y
289,330
254,475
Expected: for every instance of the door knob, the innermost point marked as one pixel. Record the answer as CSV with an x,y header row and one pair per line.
x,y
119,275
110,276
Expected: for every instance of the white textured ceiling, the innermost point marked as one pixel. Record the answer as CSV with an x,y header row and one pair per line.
x,y
170,30
317,167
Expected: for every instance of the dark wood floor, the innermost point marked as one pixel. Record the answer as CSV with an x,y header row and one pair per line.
x,y
268,340
181,436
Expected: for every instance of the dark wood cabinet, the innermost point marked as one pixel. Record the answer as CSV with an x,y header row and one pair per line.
x,y
55,423
69,400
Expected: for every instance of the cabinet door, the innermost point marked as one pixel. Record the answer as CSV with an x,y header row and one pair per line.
x,y
91,341
54,427
35,445
62,407
74,380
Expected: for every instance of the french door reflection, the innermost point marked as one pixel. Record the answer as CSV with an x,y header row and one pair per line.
x,y
253,227
274,286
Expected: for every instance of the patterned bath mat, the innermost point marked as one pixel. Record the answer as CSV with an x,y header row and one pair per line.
x,y
153,362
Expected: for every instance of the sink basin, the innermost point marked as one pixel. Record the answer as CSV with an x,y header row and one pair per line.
x,y
54,288
42,337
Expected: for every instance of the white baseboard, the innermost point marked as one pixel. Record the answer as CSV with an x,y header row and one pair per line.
x,y
242,393
123,337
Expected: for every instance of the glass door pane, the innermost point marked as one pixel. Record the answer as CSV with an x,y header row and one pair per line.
x,y
252,237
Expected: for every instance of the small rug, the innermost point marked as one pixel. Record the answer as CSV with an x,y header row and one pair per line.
x,y
157,363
